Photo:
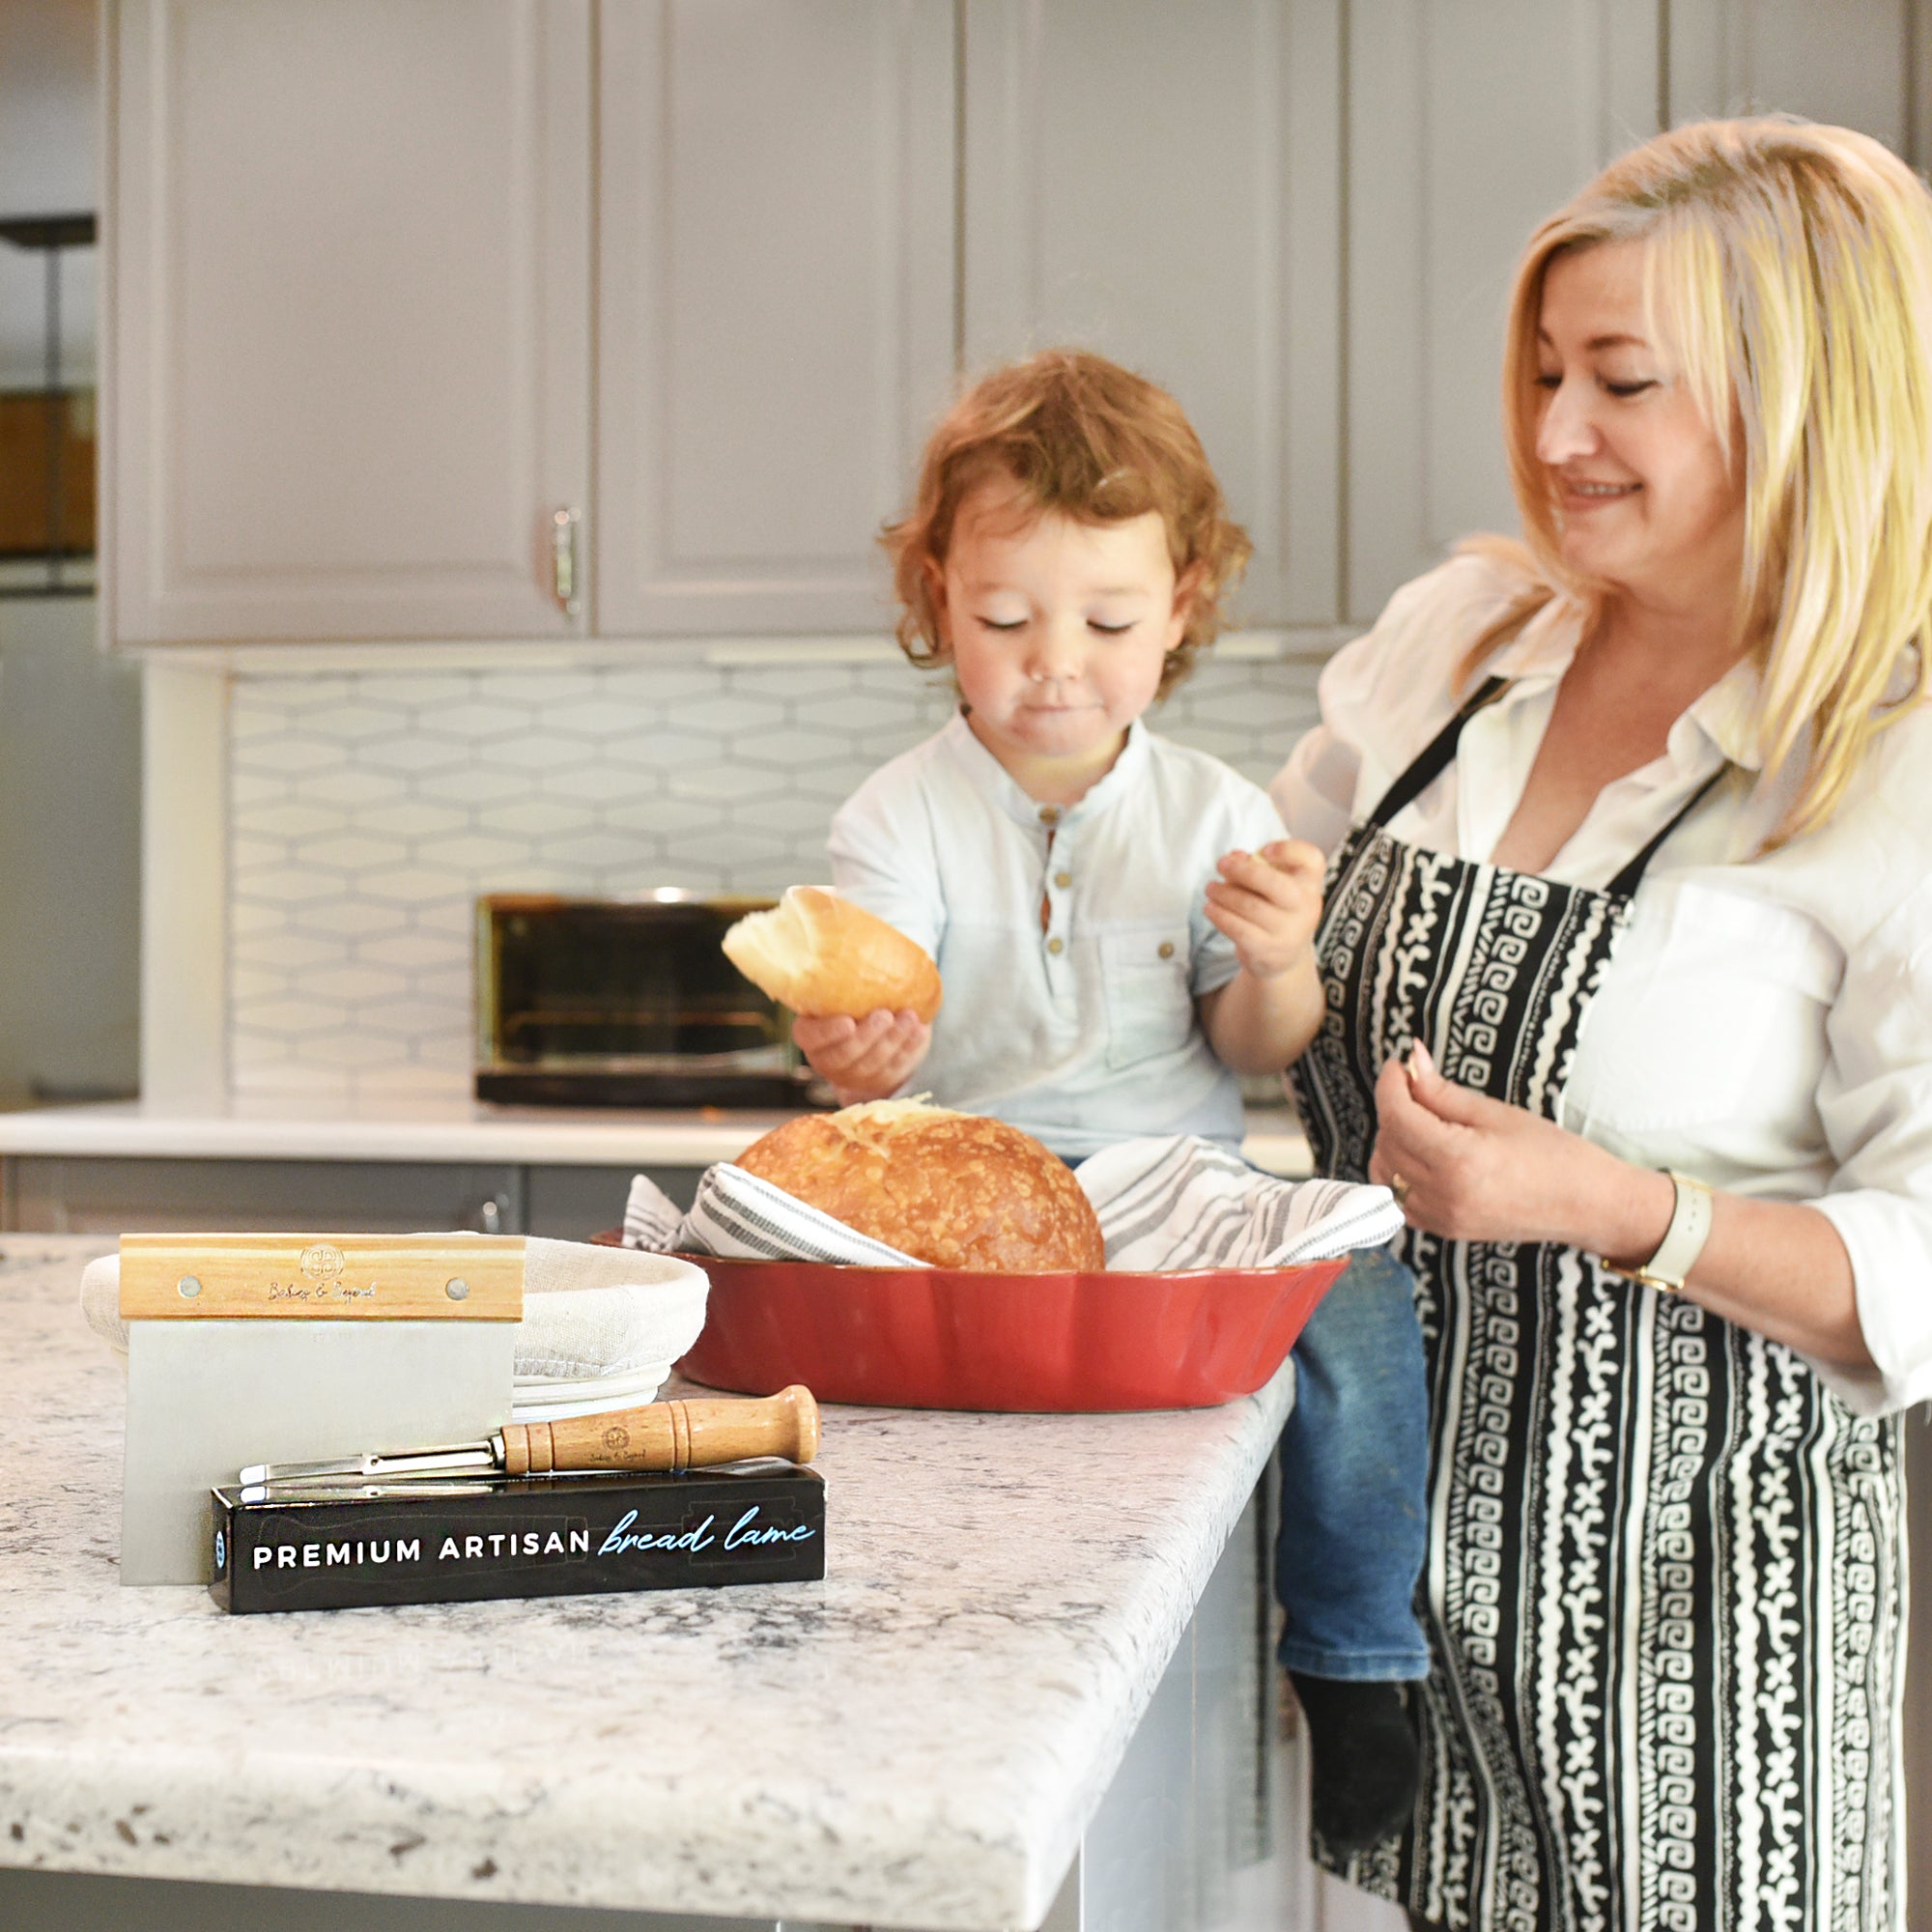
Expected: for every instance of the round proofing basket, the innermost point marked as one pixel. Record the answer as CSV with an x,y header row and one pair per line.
x,y
944,1338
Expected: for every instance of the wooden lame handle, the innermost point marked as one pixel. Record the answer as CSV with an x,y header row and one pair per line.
x,y
669,1436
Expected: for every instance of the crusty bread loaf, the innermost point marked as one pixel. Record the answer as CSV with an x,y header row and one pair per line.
x,y
819,954
954,1189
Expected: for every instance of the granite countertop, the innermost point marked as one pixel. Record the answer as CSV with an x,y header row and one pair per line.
x,y
920,1740
453,1127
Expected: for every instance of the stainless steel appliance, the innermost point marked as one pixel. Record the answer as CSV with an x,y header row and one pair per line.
x,y
626,1002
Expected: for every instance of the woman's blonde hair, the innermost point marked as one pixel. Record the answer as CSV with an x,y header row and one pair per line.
x,y
1070,432
1788,271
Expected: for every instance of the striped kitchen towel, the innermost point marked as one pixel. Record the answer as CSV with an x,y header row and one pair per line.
x,y
1178,1202
744,1219
1184,1203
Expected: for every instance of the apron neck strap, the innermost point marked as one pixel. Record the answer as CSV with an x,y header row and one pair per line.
x,y
1627,881
1436,757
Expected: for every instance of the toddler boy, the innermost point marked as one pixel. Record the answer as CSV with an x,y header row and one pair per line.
x,y
1121,928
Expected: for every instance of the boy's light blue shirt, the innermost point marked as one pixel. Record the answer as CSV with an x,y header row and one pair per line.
x,y
1083,1032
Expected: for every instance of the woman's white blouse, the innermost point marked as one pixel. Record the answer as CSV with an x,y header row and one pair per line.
x,y
1766,1023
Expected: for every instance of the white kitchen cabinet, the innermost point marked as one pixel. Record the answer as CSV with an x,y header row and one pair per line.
x,y
1865,63
349,316
359,256
776,304
1468,122
1164,185
355,249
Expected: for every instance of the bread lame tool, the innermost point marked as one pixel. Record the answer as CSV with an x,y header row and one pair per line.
x,y
670,1435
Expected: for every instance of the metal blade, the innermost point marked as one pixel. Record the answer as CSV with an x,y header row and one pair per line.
x,y
323,1490
400,1466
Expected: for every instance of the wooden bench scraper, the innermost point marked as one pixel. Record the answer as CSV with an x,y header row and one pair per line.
x,y
280,1347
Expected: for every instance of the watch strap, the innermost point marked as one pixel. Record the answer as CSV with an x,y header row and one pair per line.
x,y
1690,1217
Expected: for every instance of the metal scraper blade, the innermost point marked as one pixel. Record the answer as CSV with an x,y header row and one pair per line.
x,y
206,1397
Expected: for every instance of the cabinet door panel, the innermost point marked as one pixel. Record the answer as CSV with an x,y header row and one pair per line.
x,y
1162,185
1469,121
775,303
1856,62
352,263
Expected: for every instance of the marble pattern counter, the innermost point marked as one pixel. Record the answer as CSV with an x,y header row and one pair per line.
x,y
918,1741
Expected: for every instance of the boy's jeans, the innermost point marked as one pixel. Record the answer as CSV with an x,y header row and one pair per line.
x,y
1355,1472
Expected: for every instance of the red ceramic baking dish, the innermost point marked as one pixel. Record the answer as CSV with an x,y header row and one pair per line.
x,y
944,1338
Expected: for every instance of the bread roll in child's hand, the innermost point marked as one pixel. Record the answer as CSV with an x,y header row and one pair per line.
x,y
820,954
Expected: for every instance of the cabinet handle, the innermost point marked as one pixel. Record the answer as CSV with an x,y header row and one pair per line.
x,y
563,528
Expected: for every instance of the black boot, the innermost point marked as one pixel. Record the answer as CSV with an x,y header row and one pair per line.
x,y
1366,1763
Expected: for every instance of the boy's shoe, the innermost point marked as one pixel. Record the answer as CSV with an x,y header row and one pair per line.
x,y
1366,1761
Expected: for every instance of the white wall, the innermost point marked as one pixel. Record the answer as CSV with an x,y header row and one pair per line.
x,y
69,867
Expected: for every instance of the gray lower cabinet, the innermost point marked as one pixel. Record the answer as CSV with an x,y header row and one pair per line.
x,y
70,1194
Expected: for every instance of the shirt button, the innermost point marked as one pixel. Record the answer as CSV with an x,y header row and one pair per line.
x,y
1167,949
1049,814
1055,946
1063,879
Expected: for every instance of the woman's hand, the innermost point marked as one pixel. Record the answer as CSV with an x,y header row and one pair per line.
x,y
1268,903
864,1059
1473,1169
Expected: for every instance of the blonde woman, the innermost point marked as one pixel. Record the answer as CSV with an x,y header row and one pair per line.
x,y
1628,944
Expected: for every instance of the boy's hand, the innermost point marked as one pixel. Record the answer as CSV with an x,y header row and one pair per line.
x,y
1268,903
866,1058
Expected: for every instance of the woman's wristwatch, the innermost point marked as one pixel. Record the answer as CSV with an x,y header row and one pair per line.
x,y
1669,1268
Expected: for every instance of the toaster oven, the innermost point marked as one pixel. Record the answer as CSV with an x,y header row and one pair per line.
x,y
626,1002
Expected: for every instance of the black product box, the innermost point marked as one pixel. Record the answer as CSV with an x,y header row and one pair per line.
x,y
555,1536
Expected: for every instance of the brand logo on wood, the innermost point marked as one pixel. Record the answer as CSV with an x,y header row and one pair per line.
x,y
321,1261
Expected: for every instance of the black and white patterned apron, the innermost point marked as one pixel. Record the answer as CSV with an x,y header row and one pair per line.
x,y
1663,1590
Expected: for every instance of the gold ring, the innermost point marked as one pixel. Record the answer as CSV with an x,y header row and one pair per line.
x,y
1399,1187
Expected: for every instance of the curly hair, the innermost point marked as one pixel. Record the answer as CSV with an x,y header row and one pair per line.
x,y
1070,433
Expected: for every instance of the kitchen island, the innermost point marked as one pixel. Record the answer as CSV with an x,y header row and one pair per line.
x,y
1031,1689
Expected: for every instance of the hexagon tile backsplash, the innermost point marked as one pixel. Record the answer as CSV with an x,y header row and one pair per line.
x,y
368,811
